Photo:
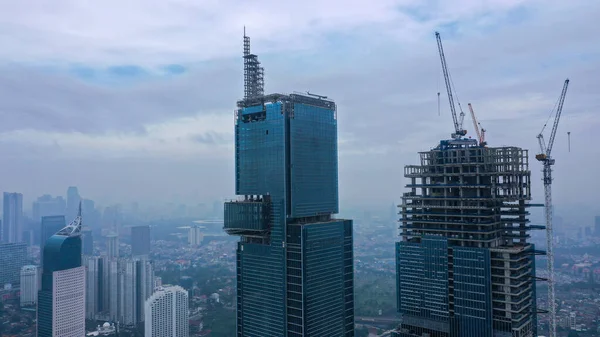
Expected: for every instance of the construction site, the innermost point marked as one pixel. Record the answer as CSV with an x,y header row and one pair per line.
x,y
465,266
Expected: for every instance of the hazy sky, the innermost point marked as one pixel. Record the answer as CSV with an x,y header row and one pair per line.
x,y
133,100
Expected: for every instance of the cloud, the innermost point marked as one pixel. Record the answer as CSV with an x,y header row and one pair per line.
x,y
159,83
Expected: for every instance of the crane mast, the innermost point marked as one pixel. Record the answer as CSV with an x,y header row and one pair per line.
x,y
480,133
548,161
458,120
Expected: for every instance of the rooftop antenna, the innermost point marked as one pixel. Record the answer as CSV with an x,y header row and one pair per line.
x,y
253,72
74,227
569,137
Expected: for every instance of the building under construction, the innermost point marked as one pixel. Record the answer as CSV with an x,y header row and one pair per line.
x,y
464,264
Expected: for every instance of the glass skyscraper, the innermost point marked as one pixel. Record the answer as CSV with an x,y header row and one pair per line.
x,y
50,225
294,259
61,299
13,256
12,217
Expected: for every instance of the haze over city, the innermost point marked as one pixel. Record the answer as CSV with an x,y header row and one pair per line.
x,y
134,101
241,168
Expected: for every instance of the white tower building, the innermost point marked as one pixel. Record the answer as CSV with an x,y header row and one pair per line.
x,y
195,236
29,285
167,312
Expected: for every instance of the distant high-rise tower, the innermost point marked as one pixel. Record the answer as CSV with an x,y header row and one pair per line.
x,y
50,226
61,300
13,256
140,240
464,265
12,220
94,266
597,226
87,238
73,202
29,285
294,259
47,205
167,313
195,236
112,246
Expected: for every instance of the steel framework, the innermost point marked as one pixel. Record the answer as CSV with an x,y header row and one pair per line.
x,y
548,161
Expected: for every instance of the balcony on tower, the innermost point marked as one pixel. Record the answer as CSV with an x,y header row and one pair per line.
x,y
250,217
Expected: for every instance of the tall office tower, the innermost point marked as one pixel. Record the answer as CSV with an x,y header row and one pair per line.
x,y
87,239
136,284
597,226
195,236
13,256
73,202
167,313
111,277
128,290
92,215
294,259
112,246
144,285
94,286
50,226
140,240
61,300
12,220
29,285
126,284
47,205
464,265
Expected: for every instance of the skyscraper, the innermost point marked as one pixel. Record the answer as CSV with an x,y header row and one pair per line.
x,y
464,265
112,246
50,226
87,239
195,236
29,285
140,240
597,226
47,205
119,288
294,259
12,220
94,288
61,300
13,256
73,201
167,313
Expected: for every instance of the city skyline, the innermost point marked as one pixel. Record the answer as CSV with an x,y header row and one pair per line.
x,y
154,110
220,199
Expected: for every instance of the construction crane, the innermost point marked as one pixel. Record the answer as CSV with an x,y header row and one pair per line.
x,y
545,157
476,125
458,121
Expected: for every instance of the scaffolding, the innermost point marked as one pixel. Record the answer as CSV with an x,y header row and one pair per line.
x,y
254,74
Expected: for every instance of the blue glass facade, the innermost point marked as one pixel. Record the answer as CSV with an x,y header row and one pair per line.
x,y
472,292
286,172
60,253
50,225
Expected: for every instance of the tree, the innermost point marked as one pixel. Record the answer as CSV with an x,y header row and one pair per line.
x,y
573,333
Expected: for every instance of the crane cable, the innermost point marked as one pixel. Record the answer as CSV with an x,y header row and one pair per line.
x,y
552,112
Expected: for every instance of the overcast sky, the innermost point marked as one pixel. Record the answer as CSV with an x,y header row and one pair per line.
x,y
133,100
